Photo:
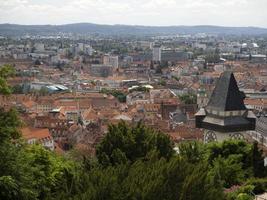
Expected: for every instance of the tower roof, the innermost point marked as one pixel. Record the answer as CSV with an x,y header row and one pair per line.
x,y
226,95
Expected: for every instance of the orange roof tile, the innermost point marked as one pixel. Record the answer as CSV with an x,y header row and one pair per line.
x,y
35,133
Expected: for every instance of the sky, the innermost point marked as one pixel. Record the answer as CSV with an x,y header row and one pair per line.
x,y
136,12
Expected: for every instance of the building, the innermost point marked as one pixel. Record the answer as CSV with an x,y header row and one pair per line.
x,y
89,50
80,48
261,197
38,136
157,53
100,70
260,132
257,104
226,115
39,47
136,97
202,99
111,60
173,55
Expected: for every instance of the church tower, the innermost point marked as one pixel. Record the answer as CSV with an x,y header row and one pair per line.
x,y
226,115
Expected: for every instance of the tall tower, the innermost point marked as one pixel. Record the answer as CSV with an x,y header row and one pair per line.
x,y
157,53
225,116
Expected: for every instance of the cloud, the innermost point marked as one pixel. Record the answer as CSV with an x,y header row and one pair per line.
x,y
149,12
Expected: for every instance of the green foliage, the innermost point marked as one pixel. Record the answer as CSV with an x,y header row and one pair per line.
x,y
121,96
27,172
241,193
260,185
176,78
193,152
133,162
235,161
9,122
243,196
258,161
231,147
31,172
17,89
229,170
200,185
43,91
164,64
162,82
188,98
123,143
212,58
5,72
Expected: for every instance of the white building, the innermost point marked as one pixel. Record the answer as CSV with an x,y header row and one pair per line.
x,y
156,53
20,56
38,136
88,50
80,47
260,132
39,47
111,60
200,46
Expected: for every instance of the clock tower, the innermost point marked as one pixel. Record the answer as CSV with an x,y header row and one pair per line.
x,y
226,115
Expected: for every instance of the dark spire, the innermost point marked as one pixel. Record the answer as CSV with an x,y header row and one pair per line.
x,y
226,95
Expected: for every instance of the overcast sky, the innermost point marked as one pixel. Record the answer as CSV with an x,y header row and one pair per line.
x,y
136,12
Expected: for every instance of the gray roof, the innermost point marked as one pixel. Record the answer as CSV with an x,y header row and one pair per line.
x,y
228,121
261,125
226,95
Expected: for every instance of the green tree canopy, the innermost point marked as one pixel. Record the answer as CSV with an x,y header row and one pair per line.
x,y
123,142
5,72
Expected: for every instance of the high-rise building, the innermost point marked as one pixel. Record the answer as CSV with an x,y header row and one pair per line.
x,y
80,47
157,53
39,47
111,60
100,70
89,50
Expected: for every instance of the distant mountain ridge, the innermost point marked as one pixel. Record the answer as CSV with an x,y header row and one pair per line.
x,y
89,28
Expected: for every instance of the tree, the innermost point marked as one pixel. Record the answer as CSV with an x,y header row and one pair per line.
x,y
43,91
37,62
229,170
192,152
132,143
188,98
132,162
200,185
9,123
17,89
162,82
5,72
258,161
27,172
121,96
212,58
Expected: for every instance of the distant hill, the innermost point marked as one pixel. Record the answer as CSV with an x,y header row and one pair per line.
x,y
88,28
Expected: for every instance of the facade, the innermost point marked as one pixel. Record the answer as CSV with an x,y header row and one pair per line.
x,y
111,60
101,70
173,55
39,47
202,100
226,115
38,136
260,132
157,53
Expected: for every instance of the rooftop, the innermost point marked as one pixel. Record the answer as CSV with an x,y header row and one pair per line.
x,y
226,95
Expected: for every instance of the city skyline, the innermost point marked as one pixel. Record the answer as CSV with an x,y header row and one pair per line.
x,y
152,12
